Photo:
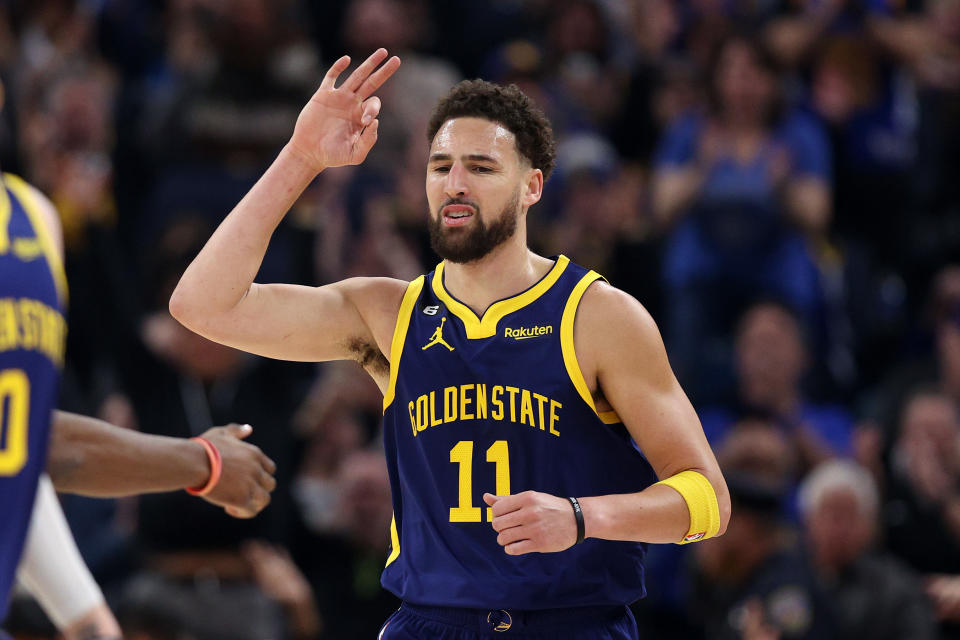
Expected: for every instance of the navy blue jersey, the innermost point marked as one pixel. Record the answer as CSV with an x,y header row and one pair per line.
x,y
32,339
498,404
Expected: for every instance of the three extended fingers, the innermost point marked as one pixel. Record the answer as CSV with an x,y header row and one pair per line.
x,y
366,78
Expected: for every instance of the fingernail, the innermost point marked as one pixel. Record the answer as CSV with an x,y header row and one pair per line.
x,y
367,119
246,427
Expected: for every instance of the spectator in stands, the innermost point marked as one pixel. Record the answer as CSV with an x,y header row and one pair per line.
x,y
771,357
874,595
935,361
755,583
922,502
742,191
871,118
344,562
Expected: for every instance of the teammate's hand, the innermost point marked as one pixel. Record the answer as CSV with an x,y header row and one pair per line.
x,y
339,124
533,521
247,476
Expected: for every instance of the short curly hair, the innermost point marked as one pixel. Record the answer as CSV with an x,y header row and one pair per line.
x,y
506,105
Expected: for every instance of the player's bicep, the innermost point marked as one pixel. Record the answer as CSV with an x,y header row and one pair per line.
x,y
339,321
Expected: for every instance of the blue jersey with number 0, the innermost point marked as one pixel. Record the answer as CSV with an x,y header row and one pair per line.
x,y
497,404
32,339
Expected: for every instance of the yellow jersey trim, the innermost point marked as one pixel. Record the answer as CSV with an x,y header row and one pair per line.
x,y
394,542
608,417
486,327
569,352
4,222
400,336
701,502
22,190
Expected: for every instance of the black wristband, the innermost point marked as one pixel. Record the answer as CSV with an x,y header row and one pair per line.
x,y
578,514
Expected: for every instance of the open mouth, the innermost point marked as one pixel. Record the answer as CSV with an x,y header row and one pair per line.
x,y
456,215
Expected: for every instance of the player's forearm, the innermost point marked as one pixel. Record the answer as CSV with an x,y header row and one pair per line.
x,y
94,458
222,273
656,514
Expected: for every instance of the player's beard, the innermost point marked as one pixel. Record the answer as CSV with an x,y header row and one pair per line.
x,y
468,244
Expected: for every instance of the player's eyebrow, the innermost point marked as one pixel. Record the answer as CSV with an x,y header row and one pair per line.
x,y
475,157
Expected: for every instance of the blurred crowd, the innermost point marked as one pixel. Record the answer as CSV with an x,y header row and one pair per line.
x,y
771,178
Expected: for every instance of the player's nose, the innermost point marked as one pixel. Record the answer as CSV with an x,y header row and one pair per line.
x,y
456,182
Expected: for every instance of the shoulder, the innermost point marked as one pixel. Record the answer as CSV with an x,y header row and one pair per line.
x,y
373,288
617,313
612,326
378,301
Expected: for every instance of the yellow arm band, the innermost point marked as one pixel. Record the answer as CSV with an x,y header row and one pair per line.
x,y
701,501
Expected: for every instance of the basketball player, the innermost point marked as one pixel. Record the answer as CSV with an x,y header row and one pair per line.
x,y
529,407
86,456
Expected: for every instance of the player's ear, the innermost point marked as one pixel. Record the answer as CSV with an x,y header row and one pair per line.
x,y
533,188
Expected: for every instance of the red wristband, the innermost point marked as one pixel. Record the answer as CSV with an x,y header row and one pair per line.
x,y
216,466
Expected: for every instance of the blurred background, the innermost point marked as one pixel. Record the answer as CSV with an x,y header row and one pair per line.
x,y
778,181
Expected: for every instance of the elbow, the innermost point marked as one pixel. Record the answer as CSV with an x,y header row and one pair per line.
x,y
179,306
198,308
184,309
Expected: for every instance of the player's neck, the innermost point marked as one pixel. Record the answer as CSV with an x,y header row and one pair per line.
x,y
506,271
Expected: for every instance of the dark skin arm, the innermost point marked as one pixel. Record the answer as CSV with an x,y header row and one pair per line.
x,y
94,458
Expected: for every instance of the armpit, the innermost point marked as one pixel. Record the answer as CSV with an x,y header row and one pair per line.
x,y
369,357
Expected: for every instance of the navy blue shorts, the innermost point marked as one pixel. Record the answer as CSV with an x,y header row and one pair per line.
x,y
415,622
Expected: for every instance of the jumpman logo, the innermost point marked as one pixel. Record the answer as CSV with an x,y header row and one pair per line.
x,y
437,337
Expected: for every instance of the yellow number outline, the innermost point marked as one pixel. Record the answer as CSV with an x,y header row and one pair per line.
x,y
462,454
14,420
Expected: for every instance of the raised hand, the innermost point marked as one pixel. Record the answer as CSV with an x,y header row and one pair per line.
x,y
247,476
339,125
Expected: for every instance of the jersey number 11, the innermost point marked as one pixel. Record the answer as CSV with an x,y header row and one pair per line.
x,y
462,454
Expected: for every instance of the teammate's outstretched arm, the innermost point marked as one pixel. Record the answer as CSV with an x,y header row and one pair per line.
x,y
91,457
216,296
94,458
620,351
